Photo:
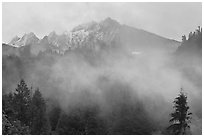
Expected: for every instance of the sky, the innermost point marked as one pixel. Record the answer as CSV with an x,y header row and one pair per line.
x,y
170,20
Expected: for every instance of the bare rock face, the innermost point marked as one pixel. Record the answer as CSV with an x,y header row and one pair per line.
x,y
27,39
95,35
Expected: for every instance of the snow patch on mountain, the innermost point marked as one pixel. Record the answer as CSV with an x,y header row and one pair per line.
x,y
91,34
27,39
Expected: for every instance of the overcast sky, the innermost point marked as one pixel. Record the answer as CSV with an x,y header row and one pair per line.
x,y
170,20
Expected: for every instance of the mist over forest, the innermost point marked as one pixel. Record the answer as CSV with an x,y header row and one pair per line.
x,y
101,78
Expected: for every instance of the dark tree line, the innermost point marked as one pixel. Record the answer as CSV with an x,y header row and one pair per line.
x,y
27,112
192,44
193,36
24,113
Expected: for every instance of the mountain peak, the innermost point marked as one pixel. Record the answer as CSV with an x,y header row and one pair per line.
x,y
105,31
16,38
30,35
28,38
85,26
109,21
52,34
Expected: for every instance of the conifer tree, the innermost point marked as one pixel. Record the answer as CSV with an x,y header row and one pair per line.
x,y
180,118
21,103
39,119
13,127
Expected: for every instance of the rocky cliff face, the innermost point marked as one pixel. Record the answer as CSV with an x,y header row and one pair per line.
x,y
96,35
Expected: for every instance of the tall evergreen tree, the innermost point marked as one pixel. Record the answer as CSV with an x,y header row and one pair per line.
x,y
7,100
13,127
180,118
39,119
21,103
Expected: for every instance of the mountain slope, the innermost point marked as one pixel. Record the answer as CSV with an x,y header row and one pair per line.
x,y
97,35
